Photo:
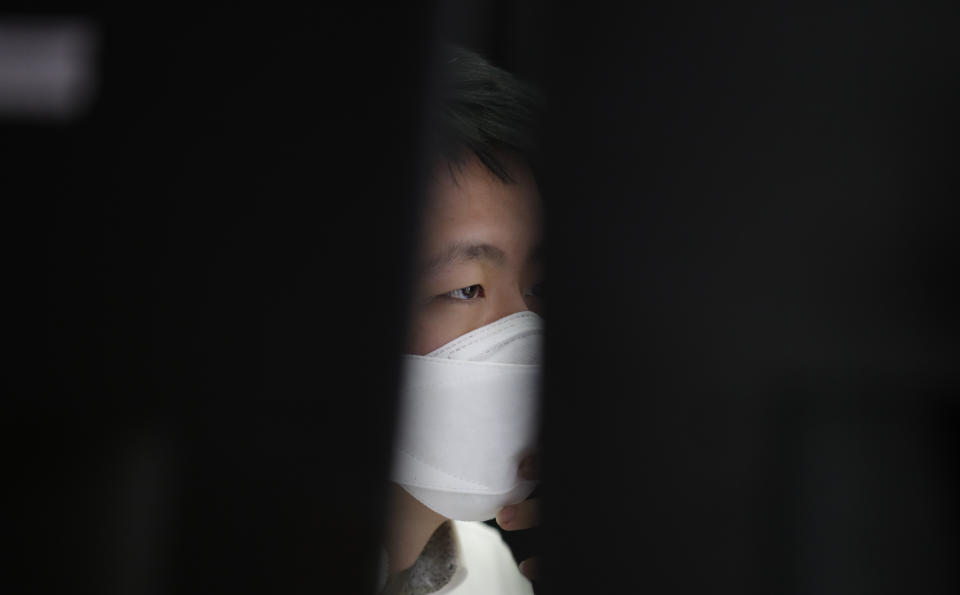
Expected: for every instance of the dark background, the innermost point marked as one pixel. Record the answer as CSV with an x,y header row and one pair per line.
x,y
751,379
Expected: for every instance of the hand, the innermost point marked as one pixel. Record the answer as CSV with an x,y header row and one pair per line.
x,y
524,515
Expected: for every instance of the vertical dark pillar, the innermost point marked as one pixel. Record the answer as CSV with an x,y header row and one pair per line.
x,y
752,324
212,274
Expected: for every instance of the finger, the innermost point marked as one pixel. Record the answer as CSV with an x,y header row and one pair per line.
x,y
529,467
519,516
530,568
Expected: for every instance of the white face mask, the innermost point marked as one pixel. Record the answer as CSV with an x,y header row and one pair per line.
x,y
468,416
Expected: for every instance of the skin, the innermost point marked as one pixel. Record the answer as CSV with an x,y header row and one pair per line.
x,y
478,262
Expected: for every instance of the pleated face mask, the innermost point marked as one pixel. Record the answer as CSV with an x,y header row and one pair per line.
x,y
468,416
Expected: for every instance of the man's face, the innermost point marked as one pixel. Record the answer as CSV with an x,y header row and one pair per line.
x,y
479,254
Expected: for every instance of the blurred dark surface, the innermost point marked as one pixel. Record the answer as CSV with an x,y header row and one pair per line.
x,y
208,286
751,380
752,314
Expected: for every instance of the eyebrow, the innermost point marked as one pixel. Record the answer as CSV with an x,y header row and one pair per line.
x,y
463,252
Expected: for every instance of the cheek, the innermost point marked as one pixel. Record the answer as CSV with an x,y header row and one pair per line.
x,y
535,305
433,327
420,339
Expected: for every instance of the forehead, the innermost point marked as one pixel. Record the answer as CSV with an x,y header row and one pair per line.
x,y
468,203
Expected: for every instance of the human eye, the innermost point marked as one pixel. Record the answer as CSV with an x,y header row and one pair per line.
x,y
469,292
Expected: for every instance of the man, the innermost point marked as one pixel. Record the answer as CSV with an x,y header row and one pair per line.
x,y
479,271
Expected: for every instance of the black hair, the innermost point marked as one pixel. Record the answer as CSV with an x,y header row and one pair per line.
x,y
484,110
